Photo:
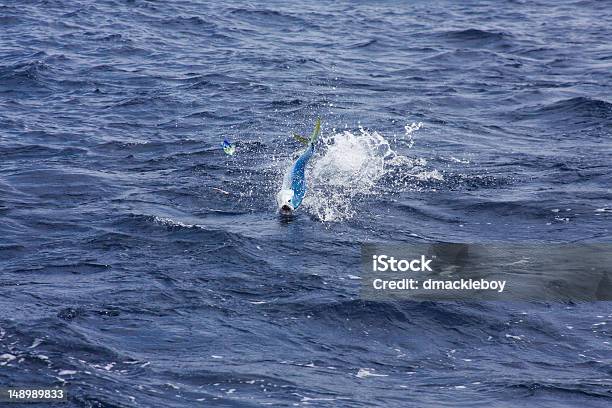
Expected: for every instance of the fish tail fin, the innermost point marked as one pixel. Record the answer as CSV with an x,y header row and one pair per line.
x,y
313,138
316,132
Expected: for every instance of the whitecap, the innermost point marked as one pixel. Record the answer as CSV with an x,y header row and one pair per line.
x,y
368,372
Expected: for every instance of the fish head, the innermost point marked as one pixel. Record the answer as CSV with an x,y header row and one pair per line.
x,y
284,199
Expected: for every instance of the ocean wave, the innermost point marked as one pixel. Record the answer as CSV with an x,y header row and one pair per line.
x,y
475,34
185,21
19,74
269,17
579,110
38,151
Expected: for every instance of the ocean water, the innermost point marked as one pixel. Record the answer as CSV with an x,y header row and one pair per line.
x,y
140,266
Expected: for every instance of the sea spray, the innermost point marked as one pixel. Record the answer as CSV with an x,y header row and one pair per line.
x,y
349,166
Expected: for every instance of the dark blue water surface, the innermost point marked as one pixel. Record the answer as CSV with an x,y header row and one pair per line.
x,y
140,266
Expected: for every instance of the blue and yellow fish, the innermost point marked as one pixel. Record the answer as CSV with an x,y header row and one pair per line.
x,y
228,148
293,190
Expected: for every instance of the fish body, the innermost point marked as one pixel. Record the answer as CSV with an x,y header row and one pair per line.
x,y
293,190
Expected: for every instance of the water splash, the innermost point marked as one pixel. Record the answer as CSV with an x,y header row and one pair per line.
x,y
410,129
351,166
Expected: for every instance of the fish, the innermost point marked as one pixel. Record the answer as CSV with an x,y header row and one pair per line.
x,y
228,148
293,189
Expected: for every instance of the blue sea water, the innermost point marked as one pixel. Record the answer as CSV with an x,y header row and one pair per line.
x,y
140,266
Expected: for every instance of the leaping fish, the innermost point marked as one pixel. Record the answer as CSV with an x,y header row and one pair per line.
x,y
293,190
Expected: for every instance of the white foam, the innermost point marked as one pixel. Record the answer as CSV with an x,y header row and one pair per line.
x,y
367,372
172,223
510,336
37,342
308,399
349,166
8,357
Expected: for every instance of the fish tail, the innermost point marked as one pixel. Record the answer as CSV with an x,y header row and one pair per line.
x,y
313,138
316,132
